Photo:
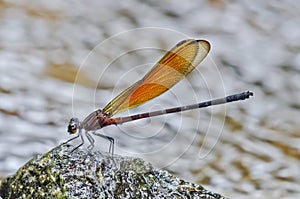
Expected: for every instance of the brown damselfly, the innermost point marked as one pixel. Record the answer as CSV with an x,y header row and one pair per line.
x,y
170,69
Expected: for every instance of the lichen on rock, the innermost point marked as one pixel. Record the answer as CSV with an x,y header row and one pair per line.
x,y
82,174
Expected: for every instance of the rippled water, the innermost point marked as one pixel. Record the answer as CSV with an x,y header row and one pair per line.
x,y
246,149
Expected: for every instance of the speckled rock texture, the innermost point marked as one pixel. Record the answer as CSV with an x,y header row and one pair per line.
x,y
82,174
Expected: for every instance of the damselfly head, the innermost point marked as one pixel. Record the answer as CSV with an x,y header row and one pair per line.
x,y
73,126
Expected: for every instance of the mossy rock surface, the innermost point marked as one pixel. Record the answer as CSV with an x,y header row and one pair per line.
x,y
81,174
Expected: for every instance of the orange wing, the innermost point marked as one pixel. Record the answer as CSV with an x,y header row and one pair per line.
x,y
177,63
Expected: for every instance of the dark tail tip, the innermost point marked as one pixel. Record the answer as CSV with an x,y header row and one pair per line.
x,y
249,94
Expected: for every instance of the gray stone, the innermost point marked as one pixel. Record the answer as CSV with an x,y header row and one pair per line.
x,y
82,174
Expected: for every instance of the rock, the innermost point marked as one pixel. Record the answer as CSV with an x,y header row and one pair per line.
x,y
82,174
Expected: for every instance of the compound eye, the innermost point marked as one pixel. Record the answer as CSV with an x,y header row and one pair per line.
x,y
73,126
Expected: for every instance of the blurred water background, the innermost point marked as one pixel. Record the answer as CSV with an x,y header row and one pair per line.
x,y
60,59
